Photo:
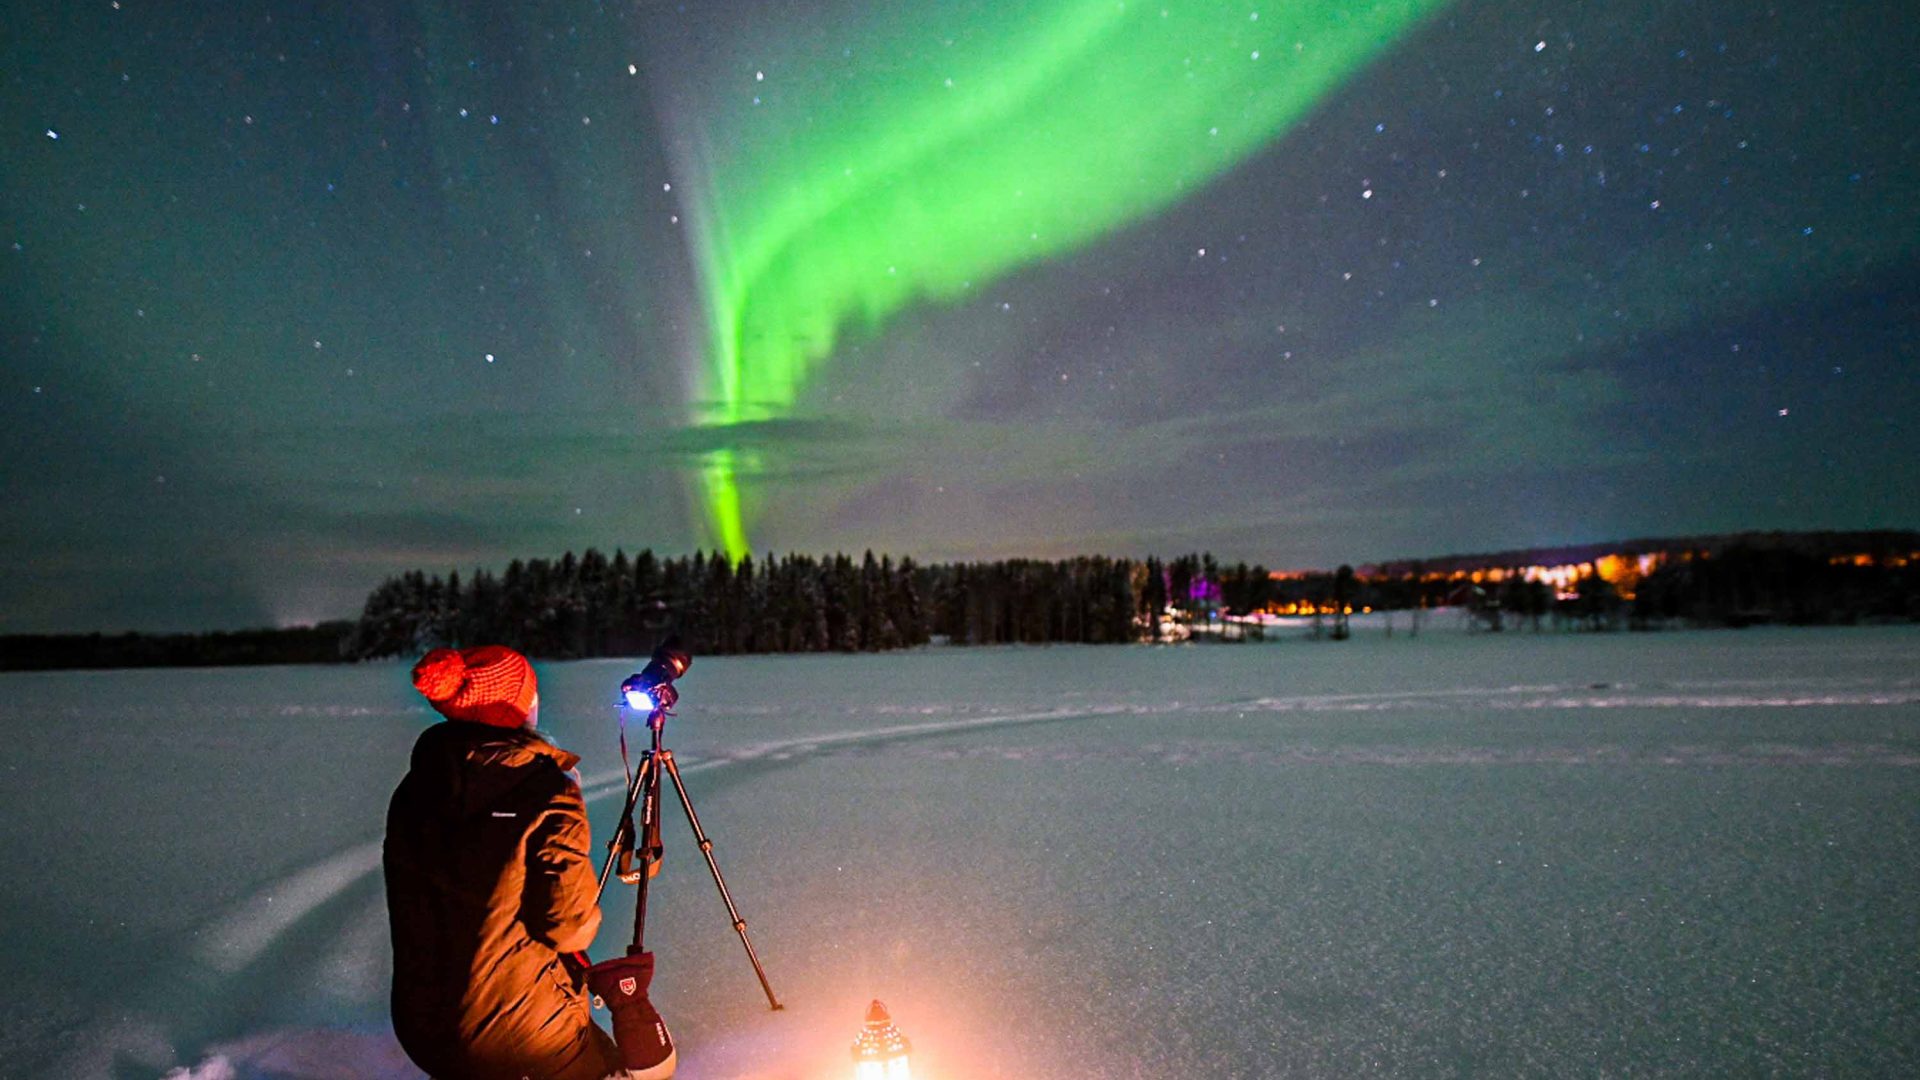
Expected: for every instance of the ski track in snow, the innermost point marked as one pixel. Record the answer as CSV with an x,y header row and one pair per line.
x,y
353,966
249,930
245,933
240,938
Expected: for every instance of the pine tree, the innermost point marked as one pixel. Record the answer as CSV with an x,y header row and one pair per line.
x,y
1154,596
904,601
723,628
841,591
869,603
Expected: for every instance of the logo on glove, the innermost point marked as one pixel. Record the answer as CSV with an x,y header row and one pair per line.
x,y
627,986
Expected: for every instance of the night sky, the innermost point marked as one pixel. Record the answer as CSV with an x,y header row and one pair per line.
x,y
293,296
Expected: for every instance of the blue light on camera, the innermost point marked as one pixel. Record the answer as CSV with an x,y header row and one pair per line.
x,y
639,699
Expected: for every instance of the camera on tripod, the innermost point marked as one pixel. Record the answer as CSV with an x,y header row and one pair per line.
x,y
622,983
651,687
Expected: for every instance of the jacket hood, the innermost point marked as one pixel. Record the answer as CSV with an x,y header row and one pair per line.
x,y
472,766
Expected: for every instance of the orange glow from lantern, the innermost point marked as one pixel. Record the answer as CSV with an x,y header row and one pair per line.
x,y
880,1053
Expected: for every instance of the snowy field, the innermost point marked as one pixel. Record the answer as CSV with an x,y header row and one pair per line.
x,y
1457,855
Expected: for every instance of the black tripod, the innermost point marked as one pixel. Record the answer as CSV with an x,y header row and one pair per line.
x,y
643,790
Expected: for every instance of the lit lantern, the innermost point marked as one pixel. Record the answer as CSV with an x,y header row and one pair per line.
x,y
880,1053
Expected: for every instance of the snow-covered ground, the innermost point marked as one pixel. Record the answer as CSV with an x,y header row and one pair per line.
x,y
1684,854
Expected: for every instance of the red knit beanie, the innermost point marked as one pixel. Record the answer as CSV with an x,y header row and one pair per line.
x,y
487,684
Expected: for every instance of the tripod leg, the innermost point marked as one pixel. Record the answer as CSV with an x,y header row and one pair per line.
x,y
623,835
706,849
649,846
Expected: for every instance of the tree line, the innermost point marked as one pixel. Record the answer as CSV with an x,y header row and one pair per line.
x,y
593,605
320,644
1748,584
1796,579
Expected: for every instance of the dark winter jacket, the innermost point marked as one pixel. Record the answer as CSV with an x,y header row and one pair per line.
x,y
489,881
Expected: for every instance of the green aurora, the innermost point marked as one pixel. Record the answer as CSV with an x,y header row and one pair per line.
x,y
919,182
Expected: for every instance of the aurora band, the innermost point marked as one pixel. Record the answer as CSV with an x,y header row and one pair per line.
x,y
919,180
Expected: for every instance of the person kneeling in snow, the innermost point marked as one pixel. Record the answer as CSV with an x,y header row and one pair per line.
x,y
490,887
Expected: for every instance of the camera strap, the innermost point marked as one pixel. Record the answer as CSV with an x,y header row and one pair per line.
x,y
623,853
624,766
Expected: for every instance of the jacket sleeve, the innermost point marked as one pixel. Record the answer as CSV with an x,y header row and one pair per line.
x,y
559,906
